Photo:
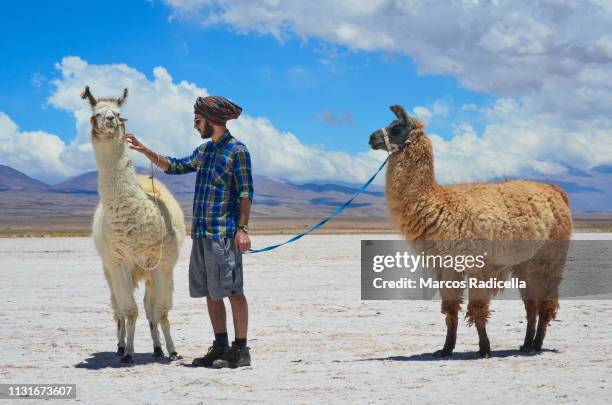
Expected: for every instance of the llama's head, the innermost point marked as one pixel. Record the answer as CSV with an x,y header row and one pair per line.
x,y
105,119
400,133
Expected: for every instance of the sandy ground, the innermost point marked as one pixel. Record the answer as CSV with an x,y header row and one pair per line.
x,y
312,338
14,223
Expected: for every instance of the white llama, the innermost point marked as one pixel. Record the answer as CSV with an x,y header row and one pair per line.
x,y
137,234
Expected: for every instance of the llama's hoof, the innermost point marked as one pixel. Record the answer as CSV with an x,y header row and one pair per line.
x,y
527,349
127,359
120,351
484,354
174,356
158,352
443,353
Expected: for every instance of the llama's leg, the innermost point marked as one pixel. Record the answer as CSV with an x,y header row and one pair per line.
x,y
124,294
531,309
477,314
531,305
164,287
450,308
555,256
131,314
547,312
149,304
119,319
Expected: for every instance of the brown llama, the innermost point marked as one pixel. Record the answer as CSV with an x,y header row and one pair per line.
x,y
516,210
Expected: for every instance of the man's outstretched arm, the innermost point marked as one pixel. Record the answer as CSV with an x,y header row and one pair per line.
x,y
168,164
156,158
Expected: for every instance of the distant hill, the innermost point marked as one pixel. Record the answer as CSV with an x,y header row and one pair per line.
x,y
339,188
269,191
28,200
26,203
86,183
11,179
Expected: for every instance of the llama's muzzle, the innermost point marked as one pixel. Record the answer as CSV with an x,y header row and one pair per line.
x,y
376,140
380,140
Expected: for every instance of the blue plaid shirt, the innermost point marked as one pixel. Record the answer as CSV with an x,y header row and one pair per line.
x,y
223,178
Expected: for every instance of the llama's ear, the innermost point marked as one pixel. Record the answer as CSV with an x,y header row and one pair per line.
x,y
94,124
123,97
400,113
86,94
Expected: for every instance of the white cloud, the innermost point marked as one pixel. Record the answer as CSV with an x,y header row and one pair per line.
x,y
554,56
160,113
36,153
513,143
438,108
548,61
283,155
422,113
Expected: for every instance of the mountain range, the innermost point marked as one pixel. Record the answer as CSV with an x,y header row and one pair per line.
x,y
24,200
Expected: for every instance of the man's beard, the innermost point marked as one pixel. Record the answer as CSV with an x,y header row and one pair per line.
x,y
208,130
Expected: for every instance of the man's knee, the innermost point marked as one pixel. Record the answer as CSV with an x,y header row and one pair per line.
x,y
214,302
237,297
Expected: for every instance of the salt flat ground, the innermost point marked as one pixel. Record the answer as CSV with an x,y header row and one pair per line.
x,y
311,336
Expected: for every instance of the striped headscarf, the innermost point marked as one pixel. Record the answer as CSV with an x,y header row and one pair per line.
x,y
216,109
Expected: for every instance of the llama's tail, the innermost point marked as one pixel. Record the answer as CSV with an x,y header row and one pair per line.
x,y
562,192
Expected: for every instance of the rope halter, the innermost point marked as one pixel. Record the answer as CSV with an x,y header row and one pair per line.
x,y
391,147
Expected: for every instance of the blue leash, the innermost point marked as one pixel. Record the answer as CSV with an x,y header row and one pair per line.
x,y
320,224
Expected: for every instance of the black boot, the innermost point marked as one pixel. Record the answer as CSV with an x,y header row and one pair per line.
x,y
214,353
234,357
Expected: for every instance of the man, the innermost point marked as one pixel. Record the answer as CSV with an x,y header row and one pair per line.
x,y
220,233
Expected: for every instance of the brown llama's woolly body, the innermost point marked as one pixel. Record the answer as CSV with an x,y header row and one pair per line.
x,y
515,210
510,210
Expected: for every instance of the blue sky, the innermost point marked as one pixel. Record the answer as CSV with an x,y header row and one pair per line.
x,y
293,82
507,89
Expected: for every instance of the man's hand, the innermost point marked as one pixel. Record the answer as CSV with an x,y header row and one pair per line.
x,y
138,146
135,144
242,240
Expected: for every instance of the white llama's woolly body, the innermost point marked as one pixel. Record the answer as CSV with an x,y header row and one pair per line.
x,y
127,230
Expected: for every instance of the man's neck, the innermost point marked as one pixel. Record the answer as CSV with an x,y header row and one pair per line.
x,y
218,133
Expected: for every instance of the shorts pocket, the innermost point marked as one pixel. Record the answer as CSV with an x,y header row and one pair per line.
x,y
227,265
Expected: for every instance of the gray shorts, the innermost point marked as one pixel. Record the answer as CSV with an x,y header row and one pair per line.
x,y
215,268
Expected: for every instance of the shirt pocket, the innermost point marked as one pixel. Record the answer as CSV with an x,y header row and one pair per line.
x,y
222,171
